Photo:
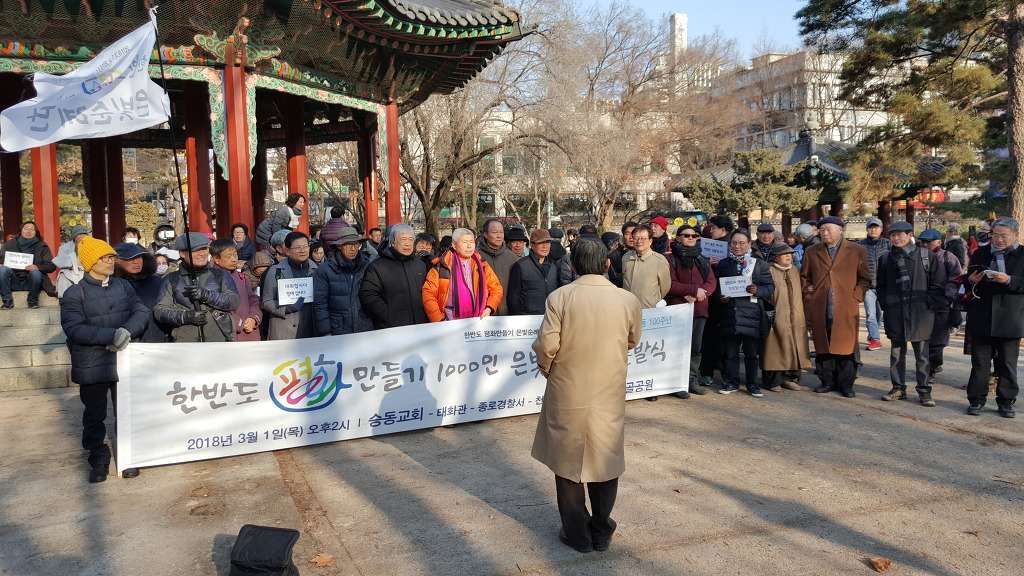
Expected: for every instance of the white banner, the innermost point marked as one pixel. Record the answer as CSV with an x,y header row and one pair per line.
x,y
109,95
289,290
714,248
195,401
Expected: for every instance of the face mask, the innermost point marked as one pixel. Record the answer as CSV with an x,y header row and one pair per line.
x,y
132,240
982,236
161,269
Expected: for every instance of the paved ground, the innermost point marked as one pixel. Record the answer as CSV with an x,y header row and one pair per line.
x,y
794,483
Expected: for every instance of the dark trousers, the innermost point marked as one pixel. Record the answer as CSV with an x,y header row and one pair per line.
x,y
1005,352
836,371
711,347
898,365
94,431
581,527
938,341
732,359
696,340
773,378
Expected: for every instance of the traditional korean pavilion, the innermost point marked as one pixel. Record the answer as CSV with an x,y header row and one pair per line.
x,y
244,76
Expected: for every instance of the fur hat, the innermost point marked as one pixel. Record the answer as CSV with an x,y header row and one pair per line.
x,y
90,250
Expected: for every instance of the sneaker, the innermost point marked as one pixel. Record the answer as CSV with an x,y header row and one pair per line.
x,y
33,305
975,409
681,394
894,394
706,381
697,389
755,392
874,345
1006,411
728,389
8,305
926,399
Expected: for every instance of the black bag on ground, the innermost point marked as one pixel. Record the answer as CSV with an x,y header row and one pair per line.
x,y
264,551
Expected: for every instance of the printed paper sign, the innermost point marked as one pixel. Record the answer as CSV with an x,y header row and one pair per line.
x,y
289,290
734,286
714,248
17,260
290,393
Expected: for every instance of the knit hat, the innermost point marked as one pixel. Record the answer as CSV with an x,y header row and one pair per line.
x,y
90,250
660,221
75,231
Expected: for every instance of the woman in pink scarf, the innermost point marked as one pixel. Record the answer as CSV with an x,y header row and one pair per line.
x,y
460,284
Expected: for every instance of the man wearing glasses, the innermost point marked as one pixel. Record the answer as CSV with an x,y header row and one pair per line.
x,y
197,299
289,320
645,273
996,317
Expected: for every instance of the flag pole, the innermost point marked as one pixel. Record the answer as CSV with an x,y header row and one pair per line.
x,y
177,166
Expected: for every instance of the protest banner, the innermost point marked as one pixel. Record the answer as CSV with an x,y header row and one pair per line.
x,y
714,248
289,290
734,286
17,260
234,398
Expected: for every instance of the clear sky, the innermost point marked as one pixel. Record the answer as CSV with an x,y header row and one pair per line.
x,y
743,20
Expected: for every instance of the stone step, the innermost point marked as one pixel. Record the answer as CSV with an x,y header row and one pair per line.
x,y
31,336
25,317
34,378
29,356
21,300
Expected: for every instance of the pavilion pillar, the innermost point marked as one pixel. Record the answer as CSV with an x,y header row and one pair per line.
x,y
44,193
94,165
787,225
115,188
909,211
835,208
222,200
10,189
368,179
197,159
236,112
295,150
393,195
259,185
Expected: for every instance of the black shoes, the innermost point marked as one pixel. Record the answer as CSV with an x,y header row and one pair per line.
x,y
581,549
849,394
651,398
1006,410
130,473
602,546
975,409
823,389
681,394
98,474
926,399
8,305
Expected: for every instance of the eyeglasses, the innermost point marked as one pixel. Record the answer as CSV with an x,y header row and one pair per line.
x,y
109,258
690,235
739,242
299,247
641,239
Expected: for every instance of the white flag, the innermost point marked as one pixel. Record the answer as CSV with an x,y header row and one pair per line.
x,y
111,94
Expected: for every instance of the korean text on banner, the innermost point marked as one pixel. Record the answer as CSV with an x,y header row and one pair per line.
x,y
17,260
714,248
734,286
109,95
290,393
289,290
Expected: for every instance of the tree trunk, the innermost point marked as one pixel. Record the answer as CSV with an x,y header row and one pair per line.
x,y
606,214
1015,108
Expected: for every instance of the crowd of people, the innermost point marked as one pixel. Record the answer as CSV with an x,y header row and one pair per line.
x,y
809,287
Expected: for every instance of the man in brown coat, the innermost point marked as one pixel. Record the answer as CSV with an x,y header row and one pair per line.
x,y
588,329
834,276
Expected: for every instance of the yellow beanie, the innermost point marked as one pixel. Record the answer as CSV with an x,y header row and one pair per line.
x,y
90,250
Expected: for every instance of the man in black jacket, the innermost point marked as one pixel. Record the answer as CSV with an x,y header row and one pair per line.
x,y
99,315
996,317
533,278
876,246
392,288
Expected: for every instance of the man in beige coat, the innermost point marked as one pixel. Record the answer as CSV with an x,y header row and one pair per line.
x,y
645,273
589,327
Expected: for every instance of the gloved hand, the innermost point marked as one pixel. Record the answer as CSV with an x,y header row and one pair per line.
x,y
293,308
195,317
121,339
197,293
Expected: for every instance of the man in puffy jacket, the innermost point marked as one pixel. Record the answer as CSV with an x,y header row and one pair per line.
x,y
336,308
532,279
873,312
391,292
99,315
197,299
289,320
492,249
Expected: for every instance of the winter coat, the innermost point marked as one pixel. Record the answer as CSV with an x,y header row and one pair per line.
x,y
740,316
41,258
875,249
90,314
501,261
958,248
147,285
530,283
685,282
849,278
392,290
283,325
170,309
247,250
583,353
615,270
270,225
785,347
911,319
337,309
998,310
659,244
647,276
249,306
436,288
70,266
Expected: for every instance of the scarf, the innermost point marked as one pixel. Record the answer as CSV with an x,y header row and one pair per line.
x,y
465,300
998,256
689,257
299,269
899,255
783,268
27,244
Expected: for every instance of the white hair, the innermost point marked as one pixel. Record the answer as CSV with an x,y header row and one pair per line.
x,y
458,233
399,229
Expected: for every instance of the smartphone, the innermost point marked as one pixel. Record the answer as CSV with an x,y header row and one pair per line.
x,y
975,268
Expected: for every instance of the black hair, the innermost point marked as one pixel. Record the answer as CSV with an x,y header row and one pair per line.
x,y
218,246
627,226
240,225
487,225
337,212
132,230
722,221
643,228
293,199
292,237
590,256
428,238
372,230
